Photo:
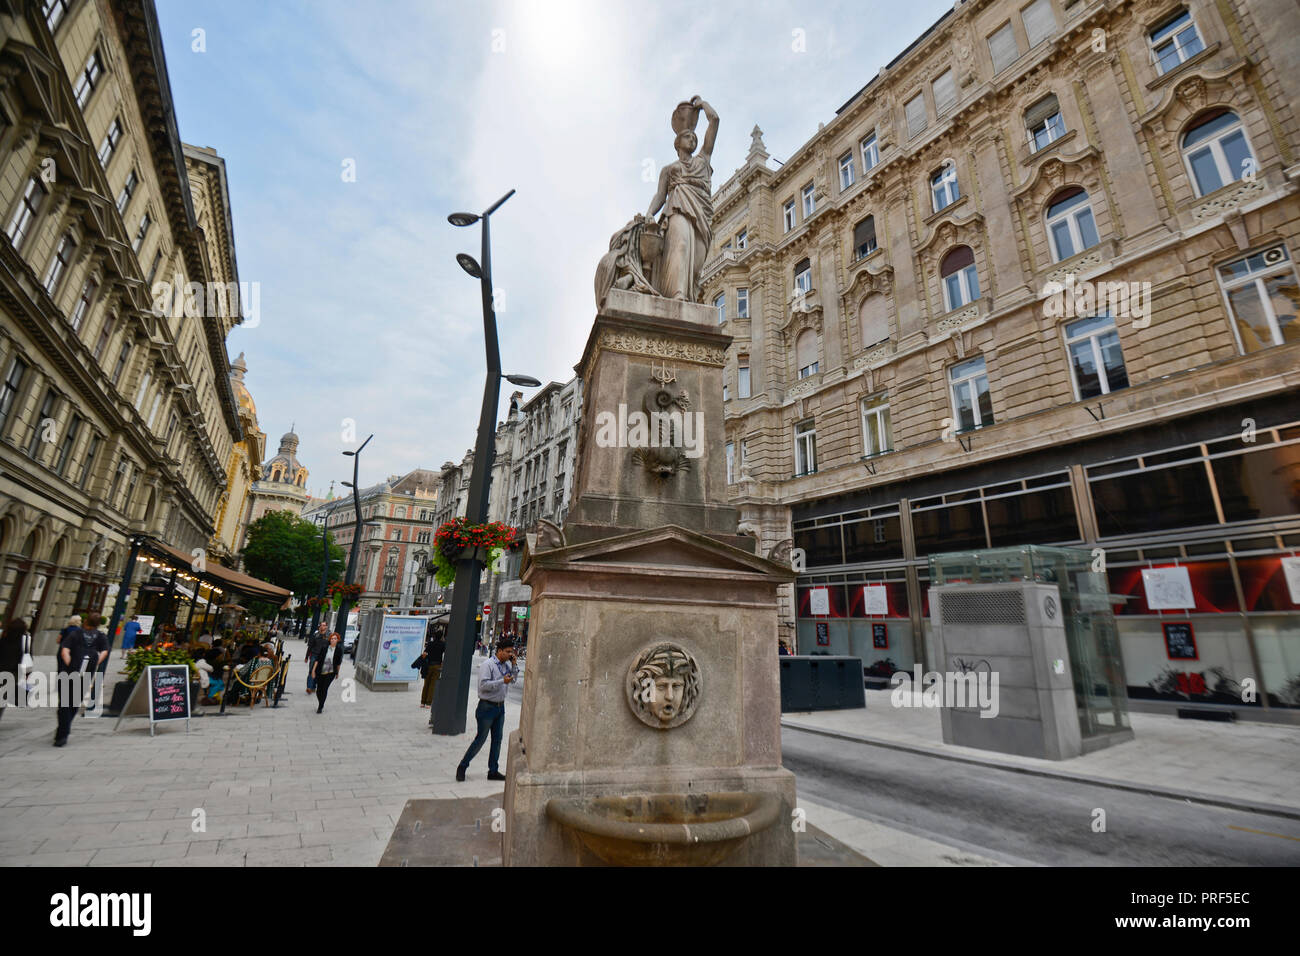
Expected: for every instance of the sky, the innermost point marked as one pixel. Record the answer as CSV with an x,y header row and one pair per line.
x,y
351,131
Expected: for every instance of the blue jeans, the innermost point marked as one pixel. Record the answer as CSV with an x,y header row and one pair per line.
x,y
491,718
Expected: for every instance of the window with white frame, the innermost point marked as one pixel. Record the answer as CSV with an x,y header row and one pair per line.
x,y
123,354
720,306
805,448
742,376
846,171
70,435
945,92
109,145
1174,41
1096,360
143,389
960,279
1217,152
1263,298
45,414
870,153
89,79
864,238
742,303
971,405
876,436
802,277
9,390
1043,122
140,233
726,391
1004,48
83,305
943,186
128,190
54,11
787,215
731,463
59,264
742,240
809,200
1040,22
88,463
1070,223
915,113
805,351
25,214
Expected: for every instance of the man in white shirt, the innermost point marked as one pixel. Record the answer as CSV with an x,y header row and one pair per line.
x,y
494,679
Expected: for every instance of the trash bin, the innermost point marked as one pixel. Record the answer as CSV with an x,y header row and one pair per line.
x,y
821,682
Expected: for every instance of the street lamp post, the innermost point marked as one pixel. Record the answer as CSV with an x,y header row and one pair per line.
x,y
451,698
324,572
346,605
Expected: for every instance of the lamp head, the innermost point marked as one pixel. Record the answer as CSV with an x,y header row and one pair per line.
x,y
468,263
463,218
526,381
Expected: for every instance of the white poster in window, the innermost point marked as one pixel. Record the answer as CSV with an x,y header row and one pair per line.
x,y
875,600
1291,568
819,601
1168,589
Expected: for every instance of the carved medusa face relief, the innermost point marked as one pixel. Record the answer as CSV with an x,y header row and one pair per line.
x,y
663,686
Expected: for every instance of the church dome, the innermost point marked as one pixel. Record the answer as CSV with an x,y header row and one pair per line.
x,y
284,467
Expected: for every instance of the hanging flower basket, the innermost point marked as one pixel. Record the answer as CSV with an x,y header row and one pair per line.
x,y
457,540
339,592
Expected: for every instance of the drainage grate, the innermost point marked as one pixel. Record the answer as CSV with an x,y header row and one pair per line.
x,y
983,607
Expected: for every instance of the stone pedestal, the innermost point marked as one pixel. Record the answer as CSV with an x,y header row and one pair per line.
x,y
652,659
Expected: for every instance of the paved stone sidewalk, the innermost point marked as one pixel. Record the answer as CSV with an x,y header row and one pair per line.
x,y
1244,763
279,786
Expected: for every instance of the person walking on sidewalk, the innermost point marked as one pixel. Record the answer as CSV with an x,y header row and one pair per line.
x,y
314,643
435,646
130,631
80,654
325,667
494,679
93,621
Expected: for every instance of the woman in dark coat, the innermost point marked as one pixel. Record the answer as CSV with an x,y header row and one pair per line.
x,y
325,667
11,656
435,645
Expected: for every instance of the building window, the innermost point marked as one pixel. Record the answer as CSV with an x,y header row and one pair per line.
x,y
805,350
726,392
1216,151
1003,47
121,361
971,405
720,306
1175,41
9,391
128,190
943,186
26,212
1096,360
809,201
1070,224
961,282
54,11
915,112
802,277
864,238
1263,298
122,466
846,171
742,376
59,264
787,215
731,463
143,389
945,93
70,435
109,145
83,305
92,449
1040,22
140,233
89,79
870,154
876,436
1043,122
153,271
742,303
742,240
805,448
873,319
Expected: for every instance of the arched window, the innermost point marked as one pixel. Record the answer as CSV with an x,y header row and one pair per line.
x,y
943,186
873,319
1070,224
805,351
1043,122
864,238
961,283
1216,151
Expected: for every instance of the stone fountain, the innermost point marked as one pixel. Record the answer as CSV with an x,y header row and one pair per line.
x,y
650,729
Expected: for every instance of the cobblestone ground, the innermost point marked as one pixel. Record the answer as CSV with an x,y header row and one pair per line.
x,y
277,786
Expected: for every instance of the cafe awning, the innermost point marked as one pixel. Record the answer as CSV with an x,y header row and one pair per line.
x,y
213,573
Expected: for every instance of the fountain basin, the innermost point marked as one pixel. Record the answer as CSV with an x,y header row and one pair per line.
x,y
665,829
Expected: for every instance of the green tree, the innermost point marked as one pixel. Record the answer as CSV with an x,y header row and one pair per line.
x,y
286,550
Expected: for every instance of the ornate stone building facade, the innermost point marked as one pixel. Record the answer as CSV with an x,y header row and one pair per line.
x,y
282,486
117,416
244,469
1034,283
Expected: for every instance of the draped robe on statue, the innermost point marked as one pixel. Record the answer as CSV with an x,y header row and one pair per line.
x,y
689,211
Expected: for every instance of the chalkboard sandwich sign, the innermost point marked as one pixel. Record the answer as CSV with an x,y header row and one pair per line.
x,y
162,693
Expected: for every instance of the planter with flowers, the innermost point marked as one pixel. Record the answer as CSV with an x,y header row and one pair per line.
x,y
459,540
338,591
